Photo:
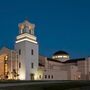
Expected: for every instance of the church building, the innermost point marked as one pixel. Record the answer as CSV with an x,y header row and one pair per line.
x,y
25,63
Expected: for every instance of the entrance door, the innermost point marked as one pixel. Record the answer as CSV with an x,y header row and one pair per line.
x,y
32,76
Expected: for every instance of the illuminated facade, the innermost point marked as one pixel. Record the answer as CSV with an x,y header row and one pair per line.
x,y
25,63
27,49
8,64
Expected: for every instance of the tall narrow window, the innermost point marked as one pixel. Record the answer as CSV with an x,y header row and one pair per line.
x,y
32,52
19,65
19,51
6,68
45,76
52,76
49,76
32,65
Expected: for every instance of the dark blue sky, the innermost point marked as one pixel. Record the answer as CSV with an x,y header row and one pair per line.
x,y
60,24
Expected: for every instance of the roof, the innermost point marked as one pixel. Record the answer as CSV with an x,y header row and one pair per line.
x,y
74,60
54,60
68,61
25,24
60,53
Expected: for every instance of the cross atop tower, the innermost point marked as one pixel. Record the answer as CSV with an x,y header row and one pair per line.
x,y
26,27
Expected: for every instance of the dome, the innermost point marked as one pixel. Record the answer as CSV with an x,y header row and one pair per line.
x,y
61,56
60,53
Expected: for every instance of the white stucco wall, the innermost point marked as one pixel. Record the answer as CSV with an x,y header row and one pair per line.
x,y
57,75
26,58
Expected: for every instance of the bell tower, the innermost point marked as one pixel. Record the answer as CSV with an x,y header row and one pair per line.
x,y
26,46
26,27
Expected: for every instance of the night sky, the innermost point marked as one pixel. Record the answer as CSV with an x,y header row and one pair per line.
x,y
60,24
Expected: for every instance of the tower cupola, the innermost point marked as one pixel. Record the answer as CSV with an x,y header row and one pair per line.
x,y
26,27
26,32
